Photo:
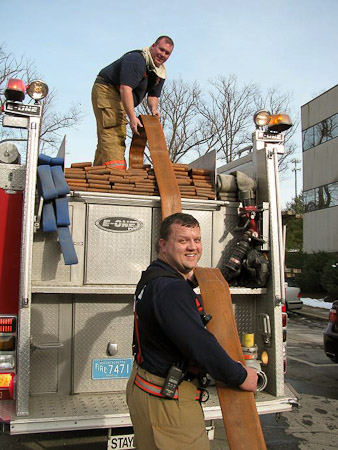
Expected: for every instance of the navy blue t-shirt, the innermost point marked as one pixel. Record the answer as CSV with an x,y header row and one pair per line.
x,y
171,331
131,70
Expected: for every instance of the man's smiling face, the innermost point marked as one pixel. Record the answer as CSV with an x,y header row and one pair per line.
x,y
160,52
183,249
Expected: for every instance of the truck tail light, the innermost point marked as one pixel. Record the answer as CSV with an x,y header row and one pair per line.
x,y
8,331
7,344
7,362
6,380
8,324
6,385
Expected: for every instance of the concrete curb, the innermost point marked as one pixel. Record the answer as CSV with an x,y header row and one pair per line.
x,y
313,313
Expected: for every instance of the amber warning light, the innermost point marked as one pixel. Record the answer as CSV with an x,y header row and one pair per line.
x,y
7,325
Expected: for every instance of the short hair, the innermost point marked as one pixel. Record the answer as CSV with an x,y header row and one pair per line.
x,y
167,39
186,220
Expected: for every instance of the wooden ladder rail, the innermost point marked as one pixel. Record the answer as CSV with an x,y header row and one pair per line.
x,y
240,417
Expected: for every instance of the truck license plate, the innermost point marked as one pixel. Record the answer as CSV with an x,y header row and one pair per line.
x,y
110,368
120,442
126,441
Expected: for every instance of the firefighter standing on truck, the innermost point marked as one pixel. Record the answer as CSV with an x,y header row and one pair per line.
x,y
173,348
118,89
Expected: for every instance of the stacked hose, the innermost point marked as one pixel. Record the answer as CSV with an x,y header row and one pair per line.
x,y
53,189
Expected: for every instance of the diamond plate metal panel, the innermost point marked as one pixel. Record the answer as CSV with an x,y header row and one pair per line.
x,y
12,177
48,264
99,320
122,255
245,313
23,353
52,412
45,330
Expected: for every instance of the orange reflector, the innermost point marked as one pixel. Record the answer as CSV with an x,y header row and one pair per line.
x,y
6,380
264,358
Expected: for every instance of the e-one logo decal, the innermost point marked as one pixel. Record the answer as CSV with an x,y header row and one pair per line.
x,y
119,224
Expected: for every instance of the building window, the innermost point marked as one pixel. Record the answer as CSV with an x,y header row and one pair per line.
x,y
321,197
308,138
321,132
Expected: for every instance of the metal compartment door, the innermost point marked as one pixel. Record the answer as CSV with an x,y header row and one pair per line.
x,y
118,243
100,320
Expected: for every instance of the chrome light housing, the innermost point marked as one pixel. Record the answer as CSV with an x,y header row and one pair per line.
x,y
262,118
37,90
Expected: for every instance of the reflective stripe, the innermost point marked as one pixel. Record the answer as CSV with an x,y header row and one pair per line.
x,y
198,305
151,388
117,164
155,389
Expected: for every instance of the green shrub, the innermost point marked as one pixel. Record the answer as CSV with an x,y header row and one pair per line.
x,y
294,260
310,280
329,278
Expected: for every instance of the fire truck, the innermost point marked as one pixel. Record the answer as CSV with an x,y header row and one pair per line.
x,y
66,326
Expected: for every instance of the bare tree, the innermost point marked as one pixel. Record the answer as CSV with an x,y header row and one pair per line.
x,y
195,123
180,117
53,124
228,116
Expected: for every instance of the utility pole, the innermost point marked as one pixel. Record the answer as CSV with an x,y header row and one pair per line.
x,y
295,169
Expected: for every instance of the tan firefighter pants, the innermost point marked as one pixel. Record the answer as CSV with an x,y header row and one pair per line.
x,y
164,424
111,124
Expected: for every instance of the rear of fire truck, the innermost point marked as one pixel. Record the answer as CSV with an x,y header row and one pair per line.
x,y
66,306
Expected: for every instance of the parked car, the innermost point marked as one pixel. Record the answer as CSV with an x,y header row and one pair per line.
x,y
331,334
292,297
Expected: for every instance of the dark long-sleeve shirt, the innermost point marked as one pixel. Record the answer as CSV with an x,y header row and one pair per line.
x,y
171,331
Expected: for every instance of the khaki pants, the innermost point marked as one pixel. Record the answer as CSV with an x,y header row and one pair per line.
x,y
164,424
111,124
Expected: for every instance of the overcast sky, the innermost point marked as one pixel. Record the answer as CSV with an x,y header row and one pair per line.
x,y
291,44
